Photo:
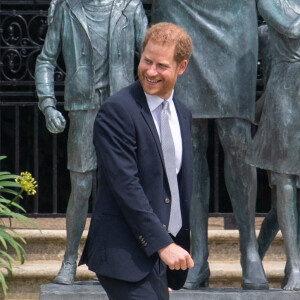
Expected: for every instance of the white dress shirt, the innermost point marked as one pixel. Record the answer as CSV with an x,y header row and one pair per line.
x,y
154,104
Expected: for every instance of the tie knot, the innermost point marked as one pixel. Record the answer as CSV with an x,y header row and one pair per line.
x,y
165,105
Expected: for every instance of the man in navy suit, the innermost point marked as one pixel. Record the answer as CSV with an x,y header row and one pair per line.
x,y
129,245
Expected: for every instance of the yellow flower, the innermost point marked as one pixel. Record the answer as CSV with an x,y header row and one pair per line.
x,y
27,182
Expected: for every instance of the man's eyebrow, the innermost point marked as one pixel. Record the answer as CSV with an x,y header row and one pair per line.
x,y
164,64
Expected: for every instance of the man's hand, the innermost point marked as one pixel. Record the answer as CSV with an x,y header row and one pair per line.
x,y
55,122
176,257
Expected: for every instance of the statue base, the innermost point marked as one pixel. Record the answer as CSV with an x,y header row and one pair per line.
x,y
92,290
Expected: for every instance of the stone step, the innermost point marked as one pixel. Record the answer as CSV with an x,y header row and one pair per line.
x,y
223,245
26,279
45,244
44,253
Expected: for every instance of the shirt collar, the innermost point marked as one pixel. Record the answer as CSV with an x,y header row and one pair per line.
x,y
155,101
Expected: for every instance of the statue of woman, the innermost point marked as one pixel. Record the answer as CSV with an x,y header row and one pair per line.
x,y
219,84
276,145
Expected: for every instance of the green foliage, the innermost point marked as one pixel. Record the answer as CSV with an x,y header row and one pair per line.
x,y
11,188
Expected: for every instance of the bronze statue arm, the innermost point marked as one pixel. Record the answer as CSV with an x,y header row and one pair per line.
x,y
279,19
44,74
51,10
141,26
46,63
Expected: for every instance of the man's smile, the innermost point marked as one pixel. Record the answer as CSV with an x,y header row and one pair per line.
x,y
152,80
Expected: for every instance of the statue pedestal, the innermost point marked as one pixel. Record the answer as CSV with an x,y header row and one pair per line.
x,y
92,290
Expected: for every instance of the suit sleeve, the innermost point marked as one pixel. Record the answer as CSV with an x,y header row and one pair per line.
x,y
116,146
276,16
46,61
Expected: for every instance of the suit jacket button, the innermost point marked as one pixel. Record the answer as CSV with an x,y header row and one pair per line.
x,y
167,200
145,244
140,237
164,226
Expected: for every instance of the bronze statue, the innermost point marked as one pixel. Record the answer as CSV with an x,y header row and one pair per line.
x,y
277,141
98,39
219,84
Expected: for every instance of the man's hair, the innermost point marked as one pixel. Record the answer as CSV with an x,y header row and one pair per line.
x,y
168,33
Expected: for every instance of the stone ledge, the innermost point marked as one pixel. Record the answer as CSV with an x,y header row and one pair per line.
x,y
219,236
234,294
43,269
51,235
220,271
26,280
60,223
223,245
91,290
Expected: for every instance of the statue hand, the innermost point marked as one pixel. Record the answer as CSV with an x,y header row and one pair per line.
x,y
55,122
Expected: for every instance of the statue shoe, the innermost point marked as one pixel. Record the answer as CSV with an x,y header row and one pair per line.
x,y
66,273
254,277
200,280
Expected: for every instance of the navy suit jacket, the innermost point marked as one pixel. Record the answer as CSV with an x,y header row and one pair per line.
x,y
130,218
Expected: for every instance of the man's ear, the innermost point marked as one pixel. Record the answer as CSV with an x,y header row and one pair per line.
x,y
182,66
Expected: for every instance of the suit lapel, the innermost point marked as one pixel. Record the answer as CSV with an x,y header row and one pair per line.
x,y
146,113
182,117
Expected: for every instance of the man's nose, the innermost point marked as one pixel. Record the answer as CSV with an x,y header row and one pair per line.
x,y
152,70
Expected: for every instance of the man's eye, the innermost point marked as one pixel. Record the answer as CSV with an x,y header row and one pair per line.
x,y
162,66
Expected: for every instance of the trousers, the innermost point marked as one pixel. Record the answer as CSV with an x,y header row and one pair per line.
x,y
152,287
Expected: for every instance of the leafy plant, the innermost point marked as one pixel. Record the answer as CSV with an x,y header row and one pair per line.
x,y
11,189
